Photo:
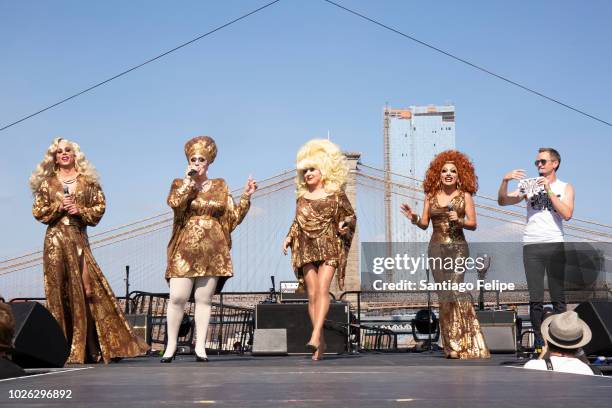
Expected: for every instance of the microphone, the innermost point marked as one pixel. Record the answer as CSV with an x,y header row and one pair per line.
x,y
66,191
192,173
450,208
345,221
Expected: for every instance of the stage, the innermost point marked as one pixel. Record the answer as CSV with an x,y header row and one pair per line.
x,y
364,380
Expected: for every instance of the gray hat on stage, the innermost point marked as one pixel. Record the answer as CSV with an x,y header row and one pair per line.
x,y
566,330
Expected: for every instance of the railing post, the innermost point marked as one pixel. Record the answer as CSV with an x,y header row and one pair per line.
x,y
359,321
127,289
220,337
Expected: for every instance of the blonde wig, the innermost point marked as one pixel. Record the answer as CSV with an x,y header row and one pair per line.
x,y
325,156
47,167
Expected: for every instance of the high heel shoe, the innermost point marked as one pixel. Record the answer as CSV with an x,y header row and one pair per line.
x,y
318,355
312,348
201,359
168,359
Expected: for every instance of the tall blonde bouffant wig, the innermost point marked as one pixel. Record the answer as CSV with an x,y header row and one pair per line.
x,y
47,167
325,156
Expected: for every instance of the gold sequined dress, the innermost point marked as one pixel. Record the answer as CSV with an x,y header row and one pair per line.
x,y
459,325
201,237
66,250
314,234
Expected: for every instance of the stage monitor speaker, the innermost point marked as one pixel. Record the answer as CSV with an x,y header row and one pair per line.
x,y
141,325
499,330
294,318
289,293
39,340
598,315
9,369
270,342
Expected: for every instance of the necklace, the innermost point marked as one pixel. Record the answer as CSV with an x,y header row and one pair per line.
x,y
205,186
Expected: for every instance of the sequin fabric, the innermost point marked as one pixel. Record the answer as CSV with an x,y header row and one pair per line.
x,y
459,326
201,236
66,251
315,237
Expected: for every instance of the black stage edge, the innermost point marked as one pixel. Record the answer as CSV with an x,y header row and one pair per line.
x,y
364,380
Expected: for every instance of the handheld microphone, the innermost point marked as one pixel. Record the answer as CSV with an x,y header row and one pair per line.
x,y
450,208
192,173
345,221
66,191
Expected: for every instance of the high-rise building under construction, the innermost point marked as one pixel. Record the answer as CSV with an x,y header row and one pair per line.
x,y
412,137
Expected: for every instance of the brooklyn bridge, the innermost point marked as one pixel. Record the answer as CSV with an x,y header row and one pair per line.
x,y
141,245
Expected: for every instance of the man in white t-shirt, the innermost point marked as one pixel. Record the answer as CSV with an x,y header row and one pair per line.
x,y
549,202
564,334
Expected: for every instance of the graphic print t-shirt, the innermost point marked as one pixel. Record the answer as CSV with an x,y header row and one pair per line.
x,y
544,224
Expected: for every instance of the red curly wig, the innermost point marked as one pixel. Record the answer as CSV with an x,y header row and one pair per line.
x,y
466,176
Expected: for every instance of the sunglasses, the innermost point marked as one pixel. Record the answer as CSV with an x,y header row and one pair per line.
x,y
542,162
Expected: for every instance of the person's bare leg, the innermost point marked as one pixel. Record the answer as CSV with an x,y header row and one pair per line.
x,y
93,350
325,275
92,347
204,292
312,283
86,279
180,289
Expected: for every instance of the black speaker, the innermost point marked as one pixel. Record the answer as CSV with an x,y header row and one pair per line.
x,y
39,340
598,315
9,369
294,318
498,329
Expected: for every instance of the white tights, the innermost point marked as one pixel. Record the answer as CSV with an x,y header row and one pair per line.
x,y
180,289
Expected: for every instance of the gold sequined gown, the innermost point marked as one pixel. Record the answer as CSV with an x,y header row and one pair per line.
x,y
459,325
201,237
314,234
66,249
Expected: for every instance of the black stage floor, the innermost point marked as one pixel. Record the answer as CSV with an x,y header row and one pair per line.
x,y
365,380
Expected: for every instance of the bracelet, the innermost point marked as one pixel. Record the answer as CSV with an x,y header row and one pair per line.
x,y
415,219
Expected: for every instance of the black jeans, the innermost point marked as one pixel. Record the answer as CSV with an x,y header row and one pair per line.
x,y
539,260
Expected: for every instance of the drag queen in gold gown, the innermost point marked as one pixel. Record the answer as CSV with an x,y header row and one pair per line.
x,y
68,198
199,250
449,184
321,233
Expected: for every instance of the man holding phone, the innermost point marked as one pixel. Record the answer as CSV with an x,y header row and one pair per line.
x,y
549,201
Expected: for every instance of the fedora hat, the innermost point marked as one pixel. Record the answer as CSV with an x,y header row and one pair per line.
x,y
566,330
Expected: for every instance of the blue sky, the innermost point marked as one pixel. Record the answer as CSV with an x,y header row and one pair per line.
x,y
267,84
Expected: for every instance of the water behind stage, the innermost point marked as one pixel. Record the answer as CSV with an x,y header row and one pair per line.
x,y
363,380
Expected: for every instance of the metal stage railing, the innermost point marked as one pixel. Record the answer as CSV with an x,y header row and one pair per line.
x,y
232,318
372,338
230,329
